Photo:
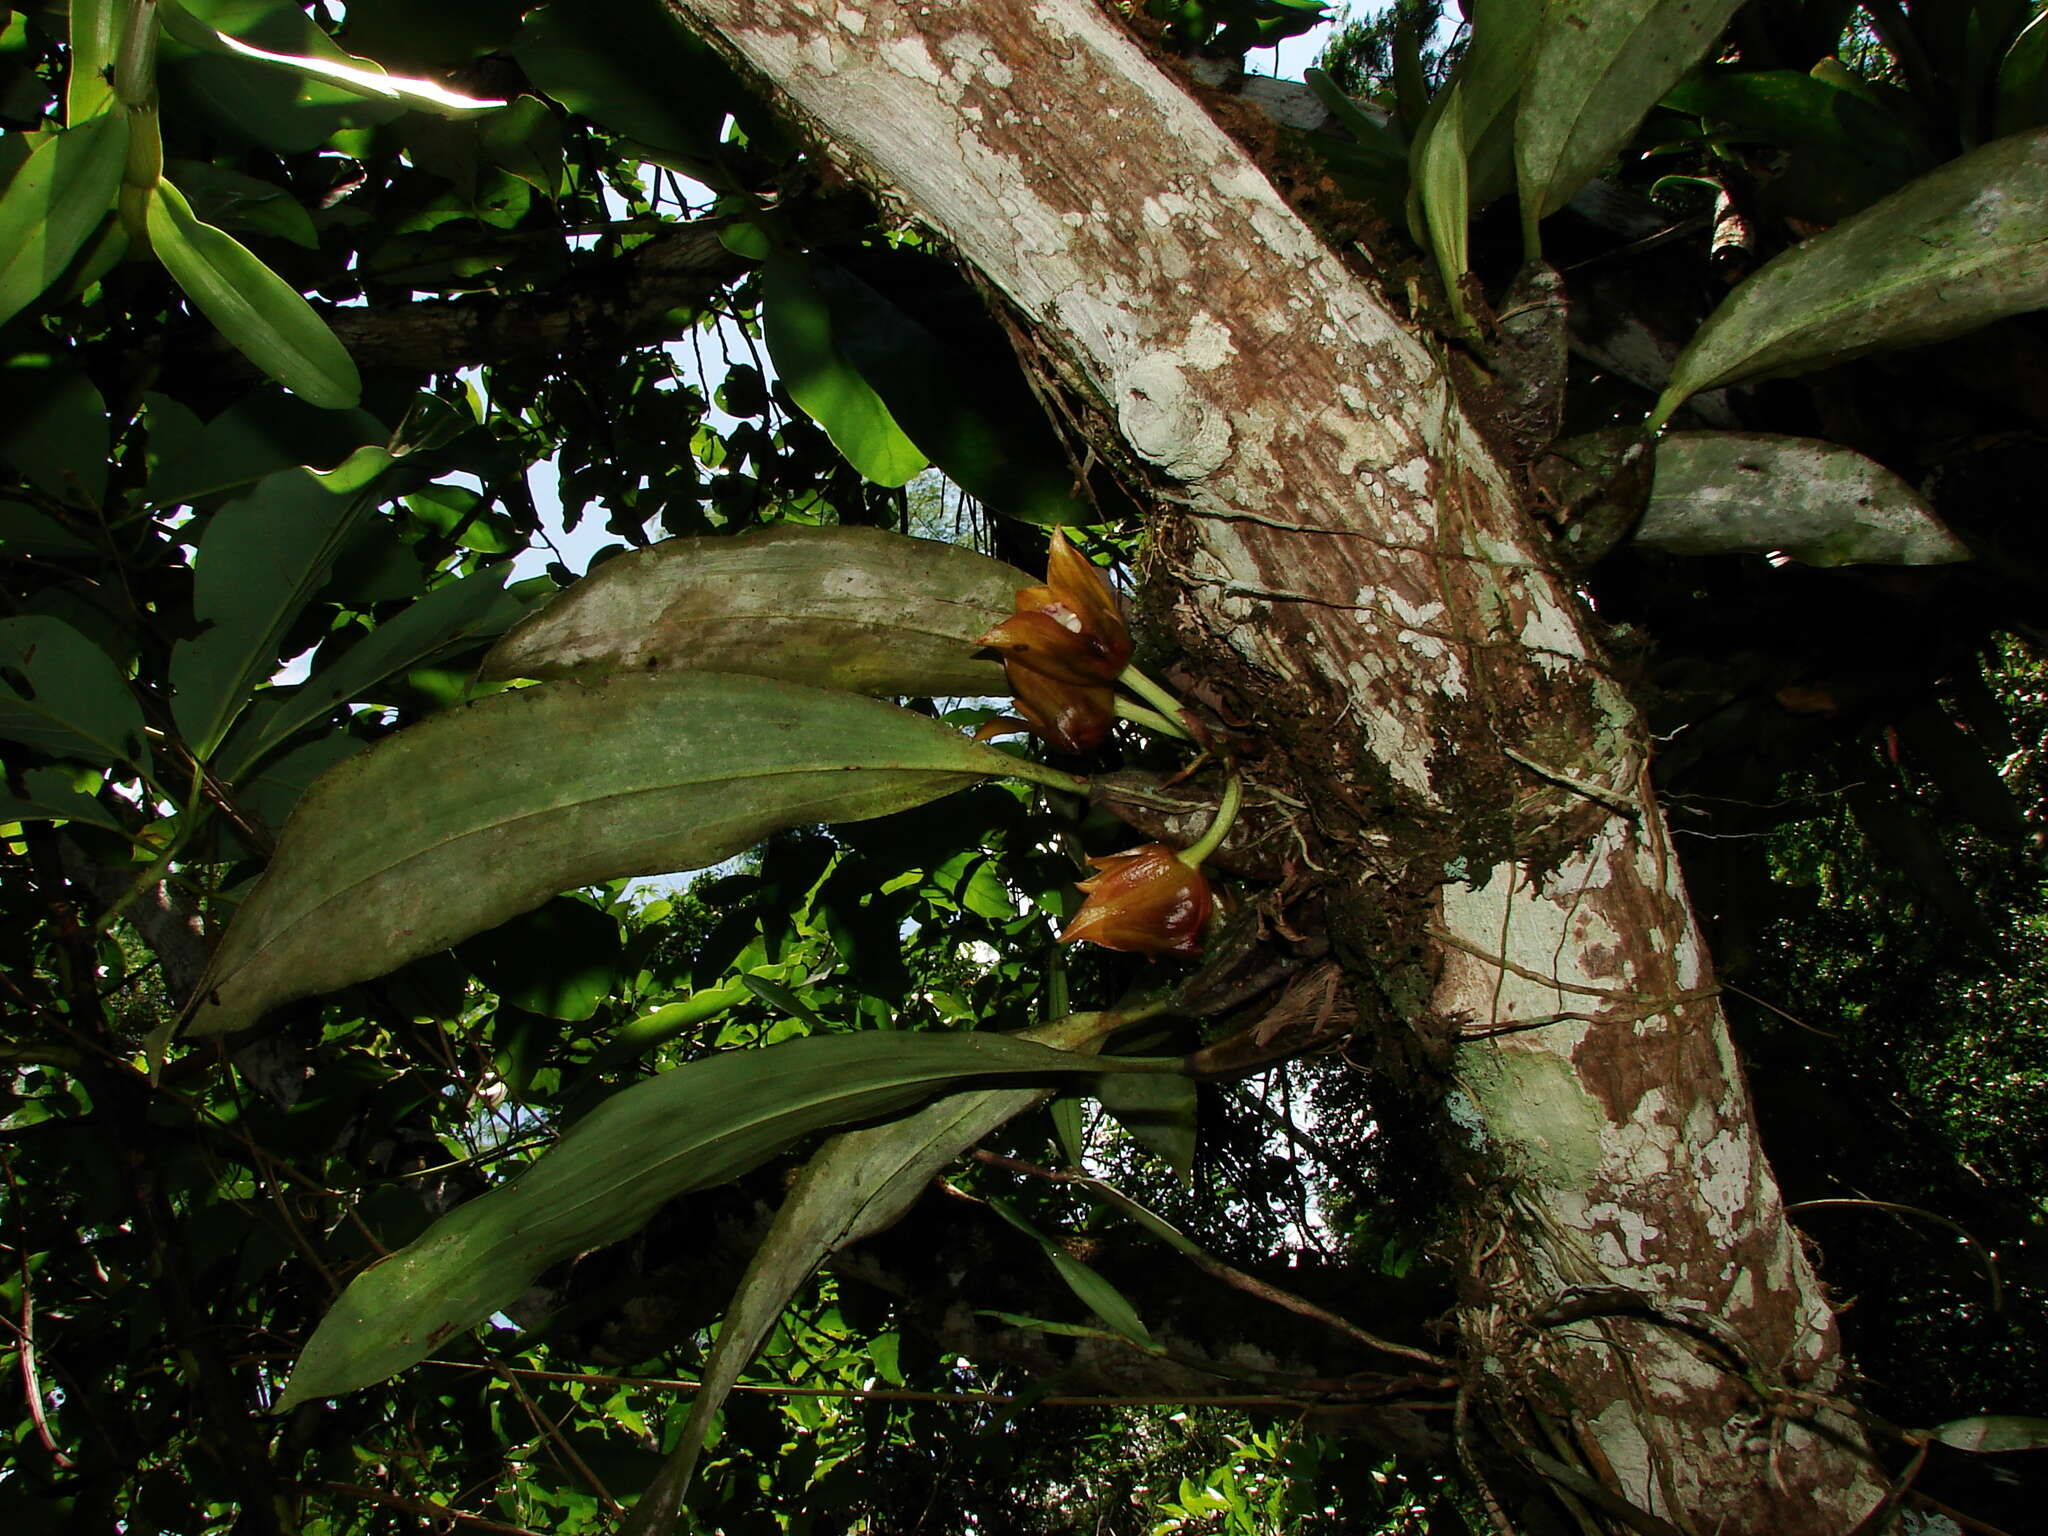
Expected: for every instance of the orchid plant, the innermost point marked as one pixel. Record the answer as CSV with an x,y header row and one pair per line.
x,y
1064,651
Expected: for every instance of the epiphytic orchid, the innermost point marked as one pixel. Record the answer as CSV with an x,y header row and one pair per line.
x,y
1063,649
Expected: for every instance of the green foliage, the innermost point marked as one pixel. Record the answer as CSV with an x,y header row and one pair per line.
x,y
621,1163
276,518
471,818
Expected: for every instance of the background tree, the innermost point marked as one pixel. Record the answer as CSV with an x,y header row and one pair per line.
x,y
1509,1166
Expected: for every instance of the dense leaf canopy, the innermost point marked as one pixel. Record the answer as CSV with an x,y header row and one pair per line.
x,y
338,344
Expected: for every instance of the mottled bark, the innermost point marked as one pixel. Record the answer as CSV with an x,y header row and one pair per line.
x,y
1347,563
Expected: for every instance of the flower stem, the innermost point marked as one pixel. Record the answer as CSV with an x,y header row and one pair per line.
x,y
1153,694
1226,818
1151,719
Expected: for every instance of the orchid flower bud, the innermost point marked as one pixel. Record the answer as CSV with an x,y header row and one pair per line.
x,y
1145,901
1063,649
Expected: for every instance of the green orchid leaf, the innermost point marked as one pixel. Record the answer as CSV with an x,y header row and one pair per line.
x,y
60,694
1718,493
263,316
1596,70
796,320
55,202
95,33
855,1185
693,1127
1443,195
1960,247
857,608
1462,156
480,813
1992,1434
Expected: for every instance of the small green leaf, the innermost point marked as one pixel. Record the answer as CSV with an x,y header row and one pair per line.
x,y
745,237
1962,246
54,203
1069,1127
475,814
256,310
53,794
1373,136
1788,108
24,531
359,77
1443,194
264,432
526,139
1719,493
948,402
796,321
259,562
234,201
1990,1434
60,694
783,1001
1096,1293
1597,69
690,1128
631,68
857,608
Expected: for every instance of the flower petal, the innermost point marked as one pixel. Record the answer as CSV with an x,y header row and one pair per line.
x,y
1077,578
1038,642
1073,717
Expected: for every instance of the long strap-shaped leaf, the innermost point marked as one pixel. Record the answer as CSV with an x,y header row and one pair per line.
x,y
1960,247
1599,67
855,1185
1720,493
255,309
857,608
481,813
693,1127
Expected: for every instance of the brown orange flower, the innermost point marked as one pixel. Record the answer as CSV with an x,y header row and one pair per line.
x,y
1145,901
1063,649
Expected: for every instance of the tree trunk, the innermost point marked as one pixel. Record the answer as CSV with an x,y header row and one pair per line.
x,y
1347,563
